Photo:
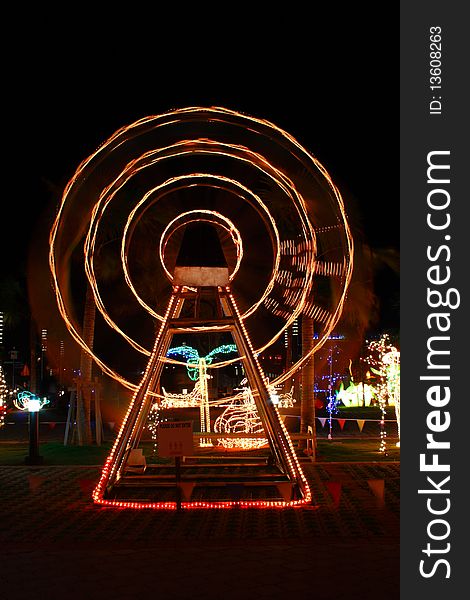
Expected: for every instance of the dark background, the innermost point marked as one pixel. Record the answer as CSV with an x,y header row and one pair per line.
x,y
332,85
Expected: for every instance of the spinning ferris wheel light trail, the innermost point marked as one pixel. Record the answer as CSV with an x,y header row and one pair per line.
x,y
174,160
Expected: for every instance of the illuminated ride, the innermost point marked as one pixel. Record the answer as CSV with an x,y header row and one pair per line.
x,y
282,250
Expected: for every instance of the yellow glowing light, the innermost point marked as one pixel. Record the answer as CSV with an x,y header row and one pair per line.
x,y
272,153
297,300
241,416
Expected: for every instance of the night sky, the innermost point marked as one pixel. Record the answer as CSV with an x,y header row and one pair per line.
x,y
329,90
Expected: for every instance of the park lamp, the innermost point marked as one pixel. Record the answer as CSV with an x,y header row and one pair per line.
x,y
34,405
29,402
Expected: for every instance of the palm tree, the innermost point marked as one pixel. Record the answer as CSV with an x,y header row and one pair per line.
x,y
42,298
107,270
84,383
362,306
307,405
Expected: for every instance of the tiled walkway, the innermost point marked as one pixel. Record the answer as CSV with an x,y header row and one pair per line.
x,y
56,544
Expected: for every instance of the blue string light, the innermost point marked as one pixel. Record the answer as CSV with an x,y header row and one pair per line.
x,y
192,357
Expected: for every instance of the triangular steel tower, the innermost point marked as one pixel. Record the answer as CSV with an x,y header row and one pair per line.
x,y
191,283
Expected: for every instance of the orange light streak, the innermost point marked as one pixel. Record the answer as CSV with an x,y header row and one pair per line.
x,y
259,129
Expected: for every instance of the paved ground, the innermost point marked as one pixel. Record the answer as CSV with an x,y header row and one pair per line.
x,y
56,544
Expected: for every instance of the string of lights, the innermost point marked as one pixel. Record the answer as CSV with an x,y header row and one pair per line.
x,y
296,230
3,397
192,357
303,266
384,362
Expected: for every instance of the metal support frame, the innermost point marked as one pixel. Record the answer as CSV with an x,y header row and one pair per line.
x,y
283,454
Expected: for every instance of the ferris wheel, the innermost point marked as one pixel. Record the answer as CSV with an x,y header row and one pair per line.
x,y
282,228
281,216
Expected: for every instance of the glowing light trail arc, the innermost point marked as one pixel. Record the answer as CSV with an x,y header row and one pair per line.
x,y
260,146
211,216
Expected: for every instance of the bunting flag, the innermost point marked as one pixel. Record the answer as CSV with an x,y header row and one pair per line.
x,y
341,423
111,425
52,424
378,488
35,481
322,421
334,487
87,486
360,423
285,489
187,488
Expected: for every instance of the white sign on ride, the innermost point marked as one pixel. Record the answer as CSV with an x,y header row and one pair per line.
x,y
175,438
